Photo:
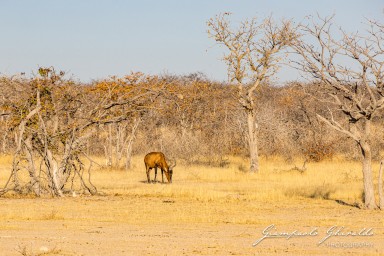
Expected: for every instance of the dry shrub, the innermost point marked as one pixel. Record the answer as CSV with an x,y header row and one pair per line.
x,y
319,152
318,192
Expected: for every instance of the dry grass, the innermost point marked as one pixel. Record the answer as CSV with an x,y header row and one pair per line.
x,y
276,183
201,199
44,251
335,180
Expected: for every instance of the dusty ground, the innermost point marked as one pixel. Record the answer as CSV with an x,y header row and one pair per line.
x,y
103,226
204,212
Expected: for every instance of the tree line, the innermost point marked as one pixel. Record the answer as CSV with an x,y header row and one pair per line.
x,y
190,117
58,121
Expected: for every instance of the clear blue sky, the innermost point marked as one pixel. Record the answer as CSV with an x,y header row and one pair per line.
x,y
98,38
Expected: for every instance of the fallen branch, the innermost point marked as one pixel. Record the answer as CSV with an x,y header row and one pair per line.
x,y
302,169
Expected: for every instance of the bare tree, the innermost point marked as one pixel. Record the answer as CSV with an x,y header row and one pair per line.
x,y
254,54
349,75
120,140
53,117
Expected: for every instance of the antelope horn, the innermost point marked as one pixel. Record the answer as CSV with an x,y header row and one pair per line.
x,y
173,163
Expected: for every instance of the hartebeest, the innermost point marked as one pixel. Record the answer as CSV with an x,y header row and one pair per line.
x,y
157,159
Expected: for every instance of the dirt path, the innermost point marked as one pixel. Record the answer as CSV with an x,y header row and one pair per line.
x,y
111,239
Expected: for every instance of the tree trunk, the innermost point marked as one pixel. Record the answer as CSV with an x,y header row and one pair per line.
x,y
252,141
4,143
369,194
131,139
365,147
53,170
118,143
110,146
35,183
381,196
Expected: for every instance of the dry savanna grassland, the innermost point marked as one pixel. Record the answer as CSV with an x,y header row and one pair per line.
x,y
205,211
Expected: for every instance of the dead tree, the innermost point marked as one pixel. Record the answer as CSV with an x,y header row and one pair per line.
x,y
52,119
349,76
254,53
